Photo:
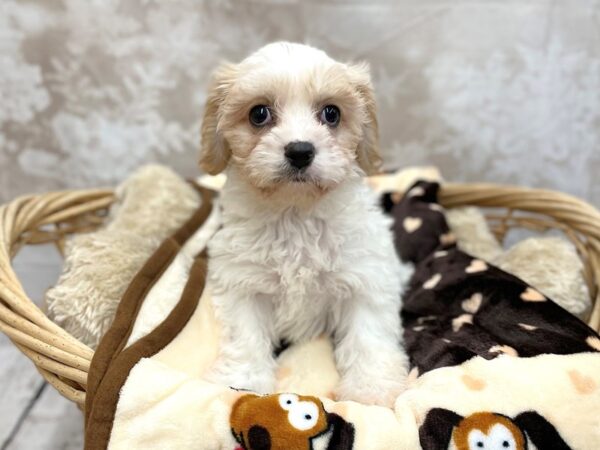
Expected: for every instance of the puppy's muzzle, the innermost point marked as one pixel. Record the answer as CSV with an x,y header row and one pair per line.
x,y
299,154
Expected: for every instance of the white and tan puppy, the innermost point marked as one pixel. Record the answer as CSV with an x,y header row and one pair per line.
x,y
303,250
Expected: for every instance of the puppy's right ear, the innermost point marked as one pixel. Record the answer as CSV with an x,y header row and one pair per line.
x,y
367,153
215,151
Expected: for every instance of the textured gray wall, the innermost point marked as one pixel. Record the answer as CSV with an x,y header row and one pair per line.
x,y
505,91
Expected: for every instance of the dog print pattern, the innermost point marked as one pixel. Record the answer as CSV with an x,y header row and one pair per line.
x,y
288,421
488,430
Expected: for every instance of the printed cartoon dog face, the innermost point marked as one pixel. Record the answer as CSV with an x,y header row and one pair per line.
x,y
485,430
283,421
290,116
488,431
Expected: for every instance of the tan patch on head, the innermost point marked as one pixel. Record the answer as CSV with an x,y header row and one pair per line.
x,y
472,383
461,320
448,238
593,342
412,224
472,304
505,349
436,207
433,281
532,295
419,328
527,327
583,383
477,265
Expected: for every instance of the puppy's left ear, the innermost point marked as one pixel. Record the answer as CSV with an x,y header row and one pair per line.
x,y
367,153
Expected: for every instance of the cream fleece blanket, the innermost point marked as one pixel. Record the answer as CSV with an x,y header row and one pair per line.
x,y
146,388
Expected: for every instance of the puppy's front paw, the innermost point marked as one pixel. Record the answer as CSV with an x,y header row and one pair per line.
x,y
374,391
242,376
375,382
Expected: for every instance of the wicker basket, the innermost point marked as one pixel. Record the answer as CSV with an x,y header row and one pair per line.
x,y
64,361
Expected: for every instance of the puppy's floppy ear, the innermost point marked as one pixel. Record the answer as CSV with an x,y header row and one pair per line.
x,y
215,151
367,153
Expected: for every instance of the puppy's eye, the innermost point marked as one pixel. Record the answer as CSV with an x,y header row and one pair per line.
x,y
260,115
330,115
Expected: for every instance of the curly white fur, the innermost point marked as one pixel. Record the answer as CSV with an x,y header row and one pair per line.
x,y
296,259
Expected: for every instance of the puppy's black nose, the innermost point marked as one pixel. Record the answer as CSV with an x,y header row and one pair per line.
x,y
300,153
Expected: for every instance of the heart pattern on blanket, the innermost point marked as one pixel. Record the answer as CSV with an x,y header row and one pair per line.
x,y
472,383
505,349
528,327
417,191
593,342
532,295
472,304
447,239
477,308
583,383
461,320
412,224
433,281
396,197
477,265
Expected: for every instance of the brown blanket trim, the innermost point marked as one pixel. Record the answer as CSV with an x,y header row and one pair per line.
x,y
116,337
111,346
118,334
102,414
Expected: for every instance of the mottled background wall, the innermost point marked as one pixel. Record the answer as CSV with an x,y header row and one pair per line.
x,y
505,91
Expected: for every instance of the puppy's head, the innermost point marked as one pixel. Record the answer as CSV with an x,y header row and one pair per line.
x,y
289,115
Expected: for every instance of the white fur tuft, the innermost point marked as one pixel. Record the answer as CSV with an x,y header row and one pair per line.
x,y
281,271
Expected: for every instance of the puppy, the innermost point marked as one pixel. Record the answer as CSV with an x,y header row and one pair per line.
x,y
303,250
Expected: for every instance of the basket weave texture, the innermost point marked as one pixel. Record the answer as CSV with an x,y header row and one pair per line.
x,y
64,361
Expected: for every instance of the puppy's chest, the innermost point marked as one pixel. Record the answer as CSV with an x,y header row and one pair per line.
x,y
308,277
295,259
306,257
305,269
